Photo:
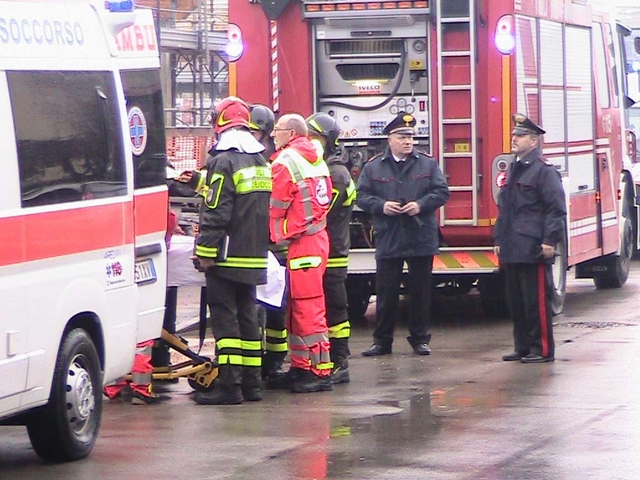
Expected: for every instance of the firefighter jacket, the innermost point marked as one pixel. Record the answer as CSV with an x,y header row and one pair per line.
x,y
532,210
417,179
236,188
342,203
301,192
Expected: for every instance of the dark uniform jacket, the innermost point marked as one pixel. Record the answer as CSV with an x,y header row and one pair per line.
x,y
237,188
418,179
532,210
342,202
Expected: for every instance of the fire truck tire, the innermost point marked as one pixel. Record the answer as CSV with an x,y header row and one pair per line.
x,y
559,274
359,291
492,295
67,427
617,275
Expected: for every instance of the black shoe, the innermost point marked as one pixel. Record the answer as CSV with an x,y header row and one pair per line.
x,y
307,382
513,356
421,349
535,358
220,395
376,350
251,394
283,382
340,373
138,398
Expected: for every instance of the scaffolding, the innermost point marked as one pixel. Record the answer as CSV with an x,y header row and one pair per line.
x,y
195,69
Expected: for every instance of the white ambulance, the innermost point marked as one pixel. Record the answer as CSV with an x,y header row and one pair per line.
x,y
83,211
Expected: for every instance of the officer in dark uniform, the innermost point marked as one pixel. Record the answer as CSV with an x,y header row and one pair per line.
x,y
324,129
403,188
531,221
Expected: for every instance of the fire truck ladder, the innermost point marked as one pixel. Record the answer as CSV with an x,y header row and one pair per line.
x,y
456,46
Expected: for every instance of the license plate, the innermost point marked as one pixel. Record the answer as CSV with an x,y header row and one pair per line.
x,y
145,272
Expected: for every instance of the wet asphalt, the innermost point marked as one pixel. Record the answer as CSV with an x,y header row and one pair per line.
x,y
460,413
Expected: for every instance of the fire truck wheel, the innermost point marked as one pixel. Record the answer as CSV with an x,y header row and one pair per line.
x,y
559,274
492,295
67,427
616,276
358,297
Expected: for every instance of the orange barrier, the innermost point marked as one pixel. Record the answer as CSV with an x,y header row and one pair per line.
x,y
187,147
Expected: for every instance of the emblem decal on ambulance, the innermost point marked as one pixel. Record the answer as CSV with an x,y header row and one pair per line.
x,y
137,130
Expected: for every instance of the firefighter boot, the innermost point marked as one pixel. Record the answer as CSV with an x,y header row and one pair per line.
x,y
283,382
340,372
307,382
220,395
272,365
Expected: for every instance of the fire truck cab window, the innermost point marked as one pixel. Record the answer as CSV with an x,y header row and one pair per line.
x,y
604,95
142,89
68,135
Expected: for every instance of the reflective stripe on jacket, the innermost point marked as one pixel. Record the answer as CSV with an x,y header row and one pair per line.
x,y
301,193
236,190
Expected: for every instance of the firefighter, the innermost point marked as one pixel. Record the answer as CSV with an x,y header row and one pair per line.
x,y
261,122
298,211
231,248
325,130
531,221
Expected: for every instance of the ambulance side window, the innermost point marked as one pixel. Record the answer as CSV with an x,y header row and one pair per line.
x,y
143,94
68,134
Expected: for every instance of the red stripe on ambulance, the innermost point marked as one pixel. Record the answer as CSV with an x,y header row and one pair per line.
x,y
53,234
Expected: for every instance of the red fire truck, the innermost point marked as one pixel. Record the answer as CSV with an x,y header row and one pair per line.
x,y
462,68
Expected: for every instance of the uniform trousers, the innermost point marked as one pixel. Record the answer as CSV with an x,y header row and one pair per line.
x,y
388,279
234,323
335,293
529,295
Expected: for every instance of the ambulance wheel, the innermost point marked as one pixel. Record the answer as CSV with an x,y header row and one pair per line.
x,y
67,427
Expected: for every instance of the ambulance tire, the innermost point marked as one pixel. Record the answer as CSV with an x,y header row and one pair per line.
x,y
67,427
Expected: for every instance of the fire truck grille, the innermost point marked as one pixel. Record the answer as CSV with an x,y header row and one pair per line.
x,y
375,71
365,48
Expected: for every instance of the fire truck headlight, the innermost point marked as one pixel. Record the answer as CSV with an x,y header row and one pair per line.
x,y
234,47
504,38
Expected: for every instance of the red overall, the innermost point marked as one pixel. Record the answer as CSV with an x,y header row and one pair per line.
x,y
141,373
300,200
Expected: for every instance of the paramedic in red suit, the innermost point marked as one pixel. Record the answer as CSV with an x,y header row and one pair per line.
x,y
531,221
300,201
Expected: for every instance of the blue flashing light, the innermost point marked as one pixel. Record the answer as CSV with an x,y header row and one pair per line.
x,y
120,6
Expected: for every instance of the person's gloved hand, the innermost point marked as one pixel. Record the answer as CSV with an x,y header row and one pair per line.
x,y
202,264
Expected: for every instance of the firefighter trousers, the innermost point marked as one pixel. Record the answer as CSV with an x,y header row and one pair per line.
x,y
234,323
529,295
306,313
335,293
